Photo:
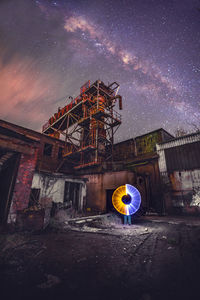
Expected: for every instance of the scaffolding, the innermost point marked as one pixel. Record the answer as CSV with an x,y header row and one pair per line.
x,y
88,124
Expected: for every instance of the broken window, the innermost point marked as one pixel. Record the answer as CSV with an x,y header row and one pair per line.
x,y
60,152
140,180
67,192
34,197
72,194
47,149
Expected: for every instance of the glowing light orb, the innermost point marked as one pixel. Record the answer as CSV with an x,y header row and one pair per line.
x,y
126,199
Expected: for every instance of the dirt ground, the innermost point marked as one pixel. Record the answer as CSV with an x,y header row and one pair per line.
x,y
144,261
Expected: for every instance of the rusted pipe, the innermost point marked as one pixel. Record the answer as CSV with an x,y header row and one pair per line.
x,y
120,101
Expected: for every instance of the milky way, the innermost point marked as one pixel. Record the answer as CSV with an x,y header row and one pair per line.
x,y
48,49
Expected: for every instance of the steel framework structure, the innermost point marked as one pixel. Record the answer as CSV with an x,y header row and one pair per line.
x,y
88,124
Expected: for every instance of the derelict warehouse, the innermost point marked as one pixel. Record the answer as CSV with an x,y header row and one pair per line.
x,y
75,163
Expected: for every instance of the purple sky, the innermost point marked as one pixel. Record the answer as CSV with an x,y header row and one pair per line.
x,y
48,49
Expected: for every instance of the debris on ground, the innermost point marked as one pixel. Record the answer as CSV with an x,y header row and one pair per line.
x,y
51,281
79,259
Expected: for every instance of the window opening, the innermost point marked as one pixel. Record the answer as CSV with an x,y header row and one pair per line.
x,y
47,149
34,197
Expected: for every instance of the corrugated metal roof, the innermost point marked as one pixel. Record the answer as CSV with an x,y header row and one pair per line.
x,y
187,139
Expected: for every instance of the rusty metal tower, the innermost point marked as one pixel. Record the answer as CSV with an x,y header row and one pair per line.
x,y
88,124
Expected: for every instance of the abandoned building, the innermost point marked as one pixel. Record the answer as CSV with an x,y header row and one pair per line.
x,y
88,123
17,164
82,170
135,162
28,171
179,164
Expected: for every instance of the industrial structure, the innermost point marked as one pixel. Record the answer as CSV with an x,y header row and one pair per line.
x,y
179,166
88,124
79,172
29,184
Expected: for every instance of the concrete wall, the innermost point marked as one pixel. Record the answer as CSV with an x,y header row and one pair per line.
x,y
124,151
180,174
97,185
145,178
52,188
185,190
148,177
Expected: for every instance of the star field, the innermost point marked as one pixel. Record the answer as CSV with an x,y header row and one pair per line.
x,y
48,49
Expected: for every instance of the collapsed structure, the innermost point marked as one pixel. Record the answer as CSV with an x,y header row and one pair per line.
x,y
76,165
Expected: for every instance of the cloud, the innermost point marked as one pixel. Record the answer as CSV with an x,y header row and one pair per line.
x,y
24,89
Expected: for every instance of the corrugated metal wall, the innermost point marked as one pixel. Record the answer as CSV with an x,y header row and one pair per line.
x,y
183,157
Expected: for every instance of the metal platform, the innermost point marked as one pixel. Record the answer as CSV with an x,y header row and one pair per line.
x,y
89,120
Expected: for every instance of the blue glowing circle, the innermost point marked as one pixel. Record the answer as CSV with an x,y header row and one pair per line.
x,y
120,205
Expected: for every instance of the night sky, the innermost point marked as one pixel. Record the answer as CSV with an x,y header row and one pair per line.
x,y
48,49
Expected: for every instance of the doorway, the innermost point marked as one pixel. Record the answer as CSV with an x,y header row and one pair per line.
x,y
8,173
34,197
72,194
109,205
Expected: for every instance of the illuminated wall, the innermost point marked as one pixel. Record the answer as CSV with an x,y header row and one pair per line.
x,y
147,143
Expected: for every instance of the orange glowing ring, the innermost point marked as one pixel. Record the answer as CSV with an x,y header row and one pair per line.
x,y
134,202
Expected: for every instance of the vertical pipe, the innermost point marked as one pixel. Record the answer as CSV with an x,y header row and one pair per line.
x,y
135,146
98,95
112,134
66,132
97,124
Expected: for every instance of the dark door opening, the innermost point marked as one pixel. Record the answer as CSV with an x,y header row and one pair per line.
x,y
8,173
34,197
72,194
109,205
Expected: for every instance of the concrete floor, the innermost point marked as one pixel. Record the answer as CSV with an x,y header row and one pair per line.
x,y
102,260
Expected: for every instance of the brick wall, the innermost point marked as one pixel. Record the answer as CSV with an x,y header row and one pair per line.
x,y
23,184
45,163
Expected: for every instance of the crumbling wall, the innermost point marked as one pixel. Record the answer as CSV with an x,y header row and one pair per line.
x,y
22,188
52,190
97,185
179,165
185,190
